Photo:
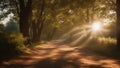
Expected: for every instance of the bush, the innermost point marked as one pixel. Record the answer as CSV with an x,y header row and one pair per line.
x,y
11,43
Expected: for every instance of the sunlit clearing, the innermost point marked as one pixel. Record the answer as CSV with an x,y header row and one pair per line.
x,y
107,40
96,27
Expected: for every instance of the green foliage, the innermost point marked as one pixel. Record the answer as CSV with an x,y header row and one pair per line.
x,y
59,16
107,41
11,43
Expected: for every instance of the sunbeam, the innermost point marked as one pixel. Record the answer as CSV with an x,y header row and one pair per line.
x,y
77,40
88,40
70,32
84,35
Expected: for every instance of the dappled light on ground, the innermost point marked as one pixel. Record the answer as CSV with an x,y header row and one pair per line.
x,y
55,55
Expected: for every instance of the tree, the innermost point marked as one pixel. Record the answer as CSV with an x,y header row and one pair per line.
x,y
24,16
118,22
38,21
21,9
52,18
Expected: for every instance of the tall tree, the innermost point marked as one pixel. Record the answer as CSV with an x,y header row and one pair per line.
x,y
118,22
24,16
38,22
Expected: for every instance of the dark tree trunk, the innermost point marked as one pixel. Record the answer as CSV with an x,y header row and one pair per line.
x,y
118,23
22,18
24,15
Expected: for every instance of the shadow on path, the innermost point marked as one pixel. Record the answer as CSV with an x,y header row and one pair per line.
x,y
53,55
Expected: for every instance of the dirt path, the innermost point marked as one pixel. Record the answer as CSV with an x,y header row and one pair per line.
x,y
61,56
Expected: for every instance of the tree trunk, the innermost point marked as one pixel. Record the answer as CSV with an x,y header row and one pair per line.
x,y
24,19
118,23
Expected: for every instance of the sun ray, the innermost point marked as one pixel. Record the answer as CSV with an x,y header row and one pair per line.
x,y
86,42
68,33
77,40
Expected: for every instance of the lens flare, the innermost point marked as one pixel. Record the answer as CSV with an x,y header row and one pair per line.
x,y
96,27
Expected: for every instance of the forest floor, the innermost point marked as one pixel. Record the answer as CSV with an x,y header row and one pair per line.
x,y
55,55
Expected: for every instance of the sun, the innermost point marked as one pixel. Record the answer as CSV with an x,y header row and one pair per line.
x,y
96,27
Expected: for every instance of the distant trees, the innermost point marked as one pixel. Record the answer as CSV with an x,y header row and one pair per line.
x,y
11,26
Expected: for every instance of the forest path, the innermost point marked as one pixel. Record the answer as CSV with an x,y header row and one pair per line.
x,y
55,55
